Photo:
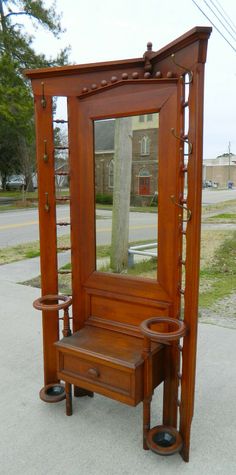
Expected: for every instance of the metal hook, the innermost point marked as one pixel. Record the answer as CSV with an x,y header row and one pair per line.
x,y
47,205
45,155
185,208
182,139
43,99
187,70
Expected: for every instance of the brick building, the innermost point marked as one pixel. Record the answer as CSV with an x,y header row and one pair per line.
x,y
144,174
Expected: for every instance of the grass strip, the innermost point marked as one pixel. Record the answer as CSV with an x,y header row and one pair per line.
x,y
218,279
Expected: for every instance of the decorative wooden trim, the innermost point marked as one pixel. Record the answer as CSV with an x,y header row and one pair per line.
x,y
195,34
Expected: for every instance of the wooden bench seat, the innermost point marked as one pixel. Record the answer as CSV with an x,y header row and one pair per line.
x,y
107,362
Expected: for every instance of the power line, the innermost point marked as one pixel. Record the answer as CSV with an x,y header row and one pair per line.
x,y
232,23
225,19
199,8
219,20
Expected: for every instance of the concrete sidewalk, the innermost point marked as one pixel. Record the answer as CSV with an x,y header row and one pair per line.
x,y
103,437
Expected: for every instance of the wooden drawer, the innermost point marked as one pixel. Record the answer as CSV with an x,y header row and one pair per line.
x,y
105,362
95,375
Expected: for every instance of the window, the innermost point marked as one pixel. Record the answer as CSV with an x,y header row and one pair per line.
x,y
111,174
141,118
145,145
149,117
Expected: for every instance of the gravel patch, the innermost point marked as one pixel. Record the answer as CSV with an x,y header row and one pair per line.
x,y
222,313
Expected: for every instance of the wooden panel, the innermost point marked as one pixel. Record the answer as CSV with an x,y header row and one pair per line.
x,y
124,312
47,219
135,287
170,394
192,256
168,213
76,206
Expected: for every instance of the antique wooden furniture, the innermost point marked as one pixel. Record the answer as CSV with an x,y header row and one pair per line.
x,y
108,351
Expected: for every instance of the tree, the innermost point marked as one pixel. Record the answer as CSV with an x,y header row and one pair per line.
x,y
16,102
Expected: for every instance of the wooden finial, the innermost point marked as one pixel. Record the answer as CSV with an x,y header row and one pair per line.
x,y
147,58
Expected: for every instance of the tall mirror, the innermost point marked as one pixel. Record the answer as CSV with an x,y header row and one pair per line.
x,y
126,190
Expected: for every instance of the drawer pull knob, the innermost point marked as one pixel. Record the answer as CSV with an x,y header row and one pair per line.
x,y
93,372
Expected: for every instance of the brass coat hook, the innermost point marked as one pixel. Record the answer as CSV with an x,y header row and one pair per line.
x,y
47,205
185,140
186,70
43,98
45,155
183,207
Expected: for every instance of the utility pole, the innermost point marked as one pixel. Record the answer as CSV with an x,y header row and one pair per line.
x,y
229,155
121,194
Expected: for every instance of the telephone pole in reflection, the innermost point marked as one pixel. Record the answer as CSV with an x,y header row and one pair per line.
x,y
229,156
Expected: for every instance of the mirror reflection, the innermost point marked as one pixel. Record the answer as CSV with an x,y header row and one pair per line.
x,y
126,189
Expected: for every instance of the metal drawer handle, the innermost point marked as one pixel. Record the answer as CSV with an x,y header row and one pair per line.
x,y
93,372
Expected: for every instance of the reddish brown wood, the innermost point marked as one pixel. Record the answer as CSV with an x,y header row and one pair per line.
x,y
109,363
172,329
68,399
172,356
192,257
47,219
105,353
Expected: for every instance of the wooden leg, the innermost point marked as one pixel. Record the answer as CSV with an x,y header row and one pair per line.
x,y
185,450
171,382
68,399
147,389
185,430
80,392
146,421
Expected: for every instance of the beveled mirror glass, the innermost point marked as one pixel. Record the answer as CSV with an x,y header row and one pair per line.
x,y
126,190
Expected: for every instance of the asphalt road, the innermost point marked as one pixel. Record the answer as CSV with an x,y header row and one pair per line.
x,y
211,196
21,226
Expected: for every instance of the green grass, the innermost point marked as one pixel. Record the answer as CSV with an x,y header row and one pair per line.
x,y
19,199
218,288
147,268
219,278
18,194
218,206
26,251
223,216
137,209
19,252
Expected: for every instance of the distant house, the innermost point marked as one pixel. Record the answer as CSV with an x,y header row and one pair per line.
x,y
220,170
144,156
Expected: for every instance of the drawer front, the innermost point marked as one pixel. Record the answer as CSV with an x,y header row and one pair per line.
x,y
95,374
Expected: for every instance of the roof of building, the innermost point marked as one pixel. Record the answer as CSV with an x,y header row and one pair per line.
x,y
104,135
221,160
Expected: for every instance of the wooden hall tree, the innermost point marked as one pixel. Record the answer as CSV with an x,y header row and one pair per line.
x,y
129,334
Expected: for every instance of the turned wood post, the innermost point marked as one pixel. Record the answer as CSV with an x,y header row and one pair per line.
x,y
147,389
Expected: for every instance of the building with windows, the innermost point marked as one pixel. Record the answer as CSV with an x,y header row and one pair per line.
x,y
144,163
220,170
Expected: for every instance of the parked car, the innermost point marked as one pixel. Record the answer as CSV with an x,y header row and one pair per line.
x,y
207,184
16,182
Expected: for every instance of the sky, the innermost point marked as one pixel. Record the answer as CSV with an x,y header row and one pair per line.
x,y
102,30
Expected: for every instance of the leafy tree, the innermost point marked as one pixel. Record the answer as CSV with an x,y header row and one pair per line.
x,y
16,103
